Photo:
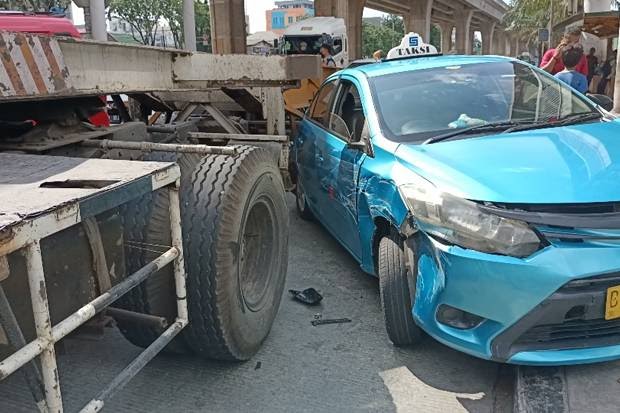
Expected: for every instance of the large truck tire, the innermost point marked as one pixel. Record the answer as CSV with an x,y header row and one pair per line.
x,y
147,235
235,238
237,255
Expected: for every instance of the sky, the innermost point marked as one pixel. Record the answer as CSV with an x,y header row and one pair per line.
x,y
255,9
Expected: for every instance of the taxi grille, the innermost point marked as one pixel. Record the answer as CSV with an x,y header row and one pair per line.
x,y
600,283
571,334
571,318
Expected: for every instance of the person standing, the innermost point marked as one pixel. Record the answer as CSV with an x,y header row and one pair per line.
x,y
607,72
552,59
326,54
592,63
571,57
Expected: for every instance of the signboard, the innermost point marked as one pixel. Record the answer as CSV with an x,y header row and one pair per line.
x,y
543,35
412,45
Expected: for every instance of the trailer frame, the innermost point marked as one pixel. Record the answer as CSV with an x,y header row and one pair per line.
x,y
25,234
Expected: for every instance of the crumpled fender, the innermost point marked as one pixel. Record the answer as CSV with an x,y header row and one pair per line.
x,y
378,198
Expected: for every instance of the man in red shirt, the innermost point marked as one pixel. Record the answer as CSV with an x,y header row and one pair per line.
x,y
552,59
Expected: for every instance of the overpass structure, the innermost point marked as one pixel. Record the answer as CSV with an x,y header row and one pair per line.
x,y
457,20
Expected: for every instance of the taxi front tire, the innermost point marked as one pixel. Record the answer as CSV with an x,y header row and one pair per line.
x,y
396,297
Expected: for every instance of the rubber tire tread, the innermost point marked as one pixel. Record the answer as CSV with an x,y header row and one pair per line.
x,y
395,296
147,220
220,190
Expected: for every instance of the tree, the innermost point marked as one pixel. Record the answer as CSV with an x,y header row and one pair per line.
x,y
172,12
146,17
383,36
388,34
202,18
203,25
142,15
525,17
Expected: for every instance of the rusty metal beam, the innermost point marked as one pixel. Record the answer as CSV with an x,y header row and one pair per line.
x,y
73,68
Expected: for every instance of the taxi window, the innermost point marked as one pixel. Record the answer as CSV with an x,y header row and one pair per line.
x,y
319,110
416,105
347,119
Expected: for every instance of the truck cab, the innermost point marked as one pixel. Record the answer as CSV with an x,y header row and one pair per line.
x,y
307,36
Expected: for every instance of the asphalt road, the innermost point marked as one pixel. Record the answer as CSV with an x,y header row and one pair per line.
x,y
328,368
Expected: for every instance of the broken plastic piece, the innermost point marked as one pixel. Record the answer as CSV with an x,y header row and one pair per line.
x,y
308,296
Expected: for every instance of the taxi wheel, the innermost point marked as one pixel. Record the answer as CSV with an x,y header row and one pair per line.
x,y
302,205
396,299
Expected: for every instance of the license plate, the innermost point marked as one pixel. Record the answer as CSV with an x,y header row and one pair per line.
x,y
612,305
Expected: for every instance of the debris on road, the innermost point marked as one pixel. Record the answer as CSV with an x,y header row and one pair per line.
x,y
319,320
309,296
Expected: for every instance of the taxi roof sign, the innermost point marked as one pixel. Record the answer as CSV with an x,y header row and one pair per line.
x,y
412,45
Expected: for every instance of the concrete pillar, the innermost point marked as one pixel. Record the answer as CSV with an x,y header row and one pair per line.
x,y
98,23
500,47
515,47
446,37
189,25
462,19
419,18
488,38
508,50
228,26
323,7
351,11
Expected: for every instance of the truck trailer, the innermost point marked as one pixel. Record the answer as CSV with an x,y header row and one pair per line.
x,y
172,224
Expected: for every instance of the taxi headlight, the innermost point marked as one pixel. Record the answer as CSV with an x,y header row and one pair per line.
x,y
459,221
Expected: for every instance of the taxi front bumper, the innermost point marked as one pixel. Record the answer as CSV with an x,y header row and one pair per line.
x,y
547,309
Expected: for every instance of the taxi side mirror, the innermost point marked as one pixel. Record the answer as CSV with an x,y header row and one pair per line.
x,y
602,100
364,144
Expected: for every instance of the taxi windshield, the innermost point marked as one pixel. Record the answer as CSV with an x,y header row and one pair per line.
x,y
416,105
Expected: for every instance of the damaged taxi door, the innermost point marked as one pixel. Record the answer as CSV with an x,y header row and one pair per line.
x,y
311,130
339,166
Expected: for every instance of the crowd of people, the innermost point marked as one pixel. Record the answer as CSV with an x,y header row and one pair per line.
x,y
568,62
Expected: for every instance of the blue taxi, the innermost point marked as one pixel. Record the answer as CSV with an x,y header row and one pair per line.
x,y
484,194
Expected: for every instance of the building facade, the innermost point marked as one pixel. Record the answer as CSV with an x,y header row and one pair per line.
x,y
288,12
261,43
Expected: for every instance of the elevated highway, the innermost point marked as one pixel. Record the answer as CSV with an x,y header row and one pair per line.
x,y
457,19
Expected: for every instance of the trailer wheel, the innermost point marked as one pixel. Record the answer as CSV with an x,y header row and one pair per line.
x,y
147,232
236,253
396,298
235,238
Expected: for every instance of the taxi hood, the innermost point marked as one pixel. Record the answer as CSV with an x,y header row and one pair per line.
x,y
570,164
